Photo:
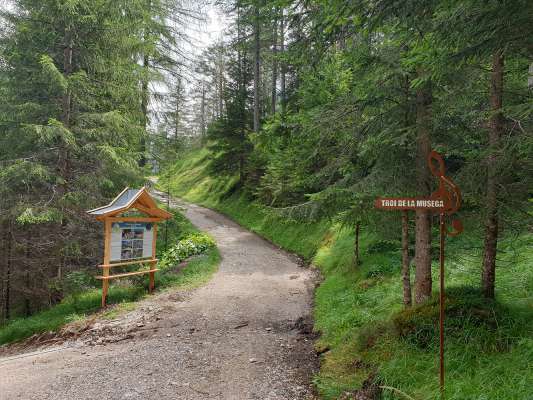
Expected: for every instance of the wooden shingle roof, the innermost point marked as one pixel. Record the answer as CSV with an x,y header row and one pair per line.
x,y
138,199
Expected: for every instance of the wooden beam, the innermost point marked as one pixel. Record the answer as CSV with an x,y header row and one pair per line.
x,y
107,257
154,260
130,219
143,261
108,277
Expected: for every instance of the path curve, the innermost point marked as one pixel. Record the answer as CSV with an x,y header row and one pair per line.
x,y
242,336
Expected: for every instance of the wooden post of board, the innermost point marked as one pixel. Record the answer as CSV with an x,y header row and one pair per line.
x,y
153,262
107,257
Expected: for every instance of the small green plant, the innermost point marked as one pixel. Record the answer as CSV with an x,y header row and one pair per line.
x,y
382,246
193,244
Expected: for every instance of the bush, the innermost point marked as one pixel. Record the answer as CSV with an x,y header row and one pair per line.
x,y
468,315
194,243
382,246
76,282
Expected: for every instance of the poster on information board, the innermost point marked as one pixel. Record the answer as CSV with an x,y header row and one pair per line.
x,y
131,241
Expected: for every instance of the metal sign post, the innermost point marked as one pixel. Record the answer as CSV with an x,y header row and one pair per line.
x,y
446,200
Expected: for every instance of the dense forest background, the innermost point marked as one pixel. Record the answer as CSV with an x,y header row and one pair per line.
x,y
325,105
82,85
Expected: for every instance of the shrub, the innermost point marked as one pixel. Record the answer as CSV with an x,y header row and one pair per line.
x,y
382,246
468,315
194,243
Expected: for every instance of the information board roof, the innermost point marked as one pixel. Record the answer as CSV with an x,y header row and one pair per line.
x,y
139,199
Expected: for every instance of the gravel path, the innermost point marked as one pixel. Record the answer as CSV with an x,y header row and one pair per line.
x,y
245,335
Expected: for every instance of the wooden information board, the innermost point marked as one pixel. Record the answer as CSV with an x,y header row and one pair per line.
x,y
129,240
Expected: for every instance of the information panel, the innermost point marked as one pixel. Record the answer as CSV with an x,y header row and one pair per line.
x,y
131,240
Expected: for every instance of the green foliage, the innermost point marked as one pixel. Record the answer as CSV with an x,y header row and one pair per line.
x,y
29,216
382,246
196,243
77,282
54,77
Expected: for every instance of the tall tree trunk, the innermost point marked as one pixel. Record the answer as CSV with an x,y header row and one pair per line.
x,y
177,110
64,157
491,224
3,262
257,77
241,169
406,276
423,218
66,107
27,277
145,95
9,256
144,109
176,120
274,64
202,111
220,83
356,244
530,77
283,69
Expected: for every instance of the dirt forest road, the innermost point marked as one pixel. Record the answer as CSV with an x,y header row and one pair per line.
x,y
244,335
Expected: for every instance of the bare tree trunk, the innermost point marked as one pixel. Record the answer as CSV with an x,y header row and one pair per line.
x,y
145,95
3,262
274,64
177,110
202,111
144,109
63,164
27,286
406,276
283,66
7,299
423,280
220,83
488,277
66,116
257,77
176,121
241,169
530,77
356,244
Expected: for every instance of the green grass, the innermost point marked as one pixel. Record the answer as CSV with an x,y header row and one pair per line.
x,y
198,271
70,309
359,312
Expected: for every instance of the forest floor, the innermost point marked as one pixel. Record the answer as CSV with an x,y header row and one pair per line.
x,y
244,335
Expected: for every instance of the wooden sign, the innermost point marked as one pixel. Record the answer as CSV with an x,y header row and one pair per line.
x,y
409,203
129,240
446,200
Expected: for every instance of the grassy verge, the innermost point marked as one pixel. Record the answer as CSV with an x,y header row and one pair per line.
x,y
366,334
122,293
